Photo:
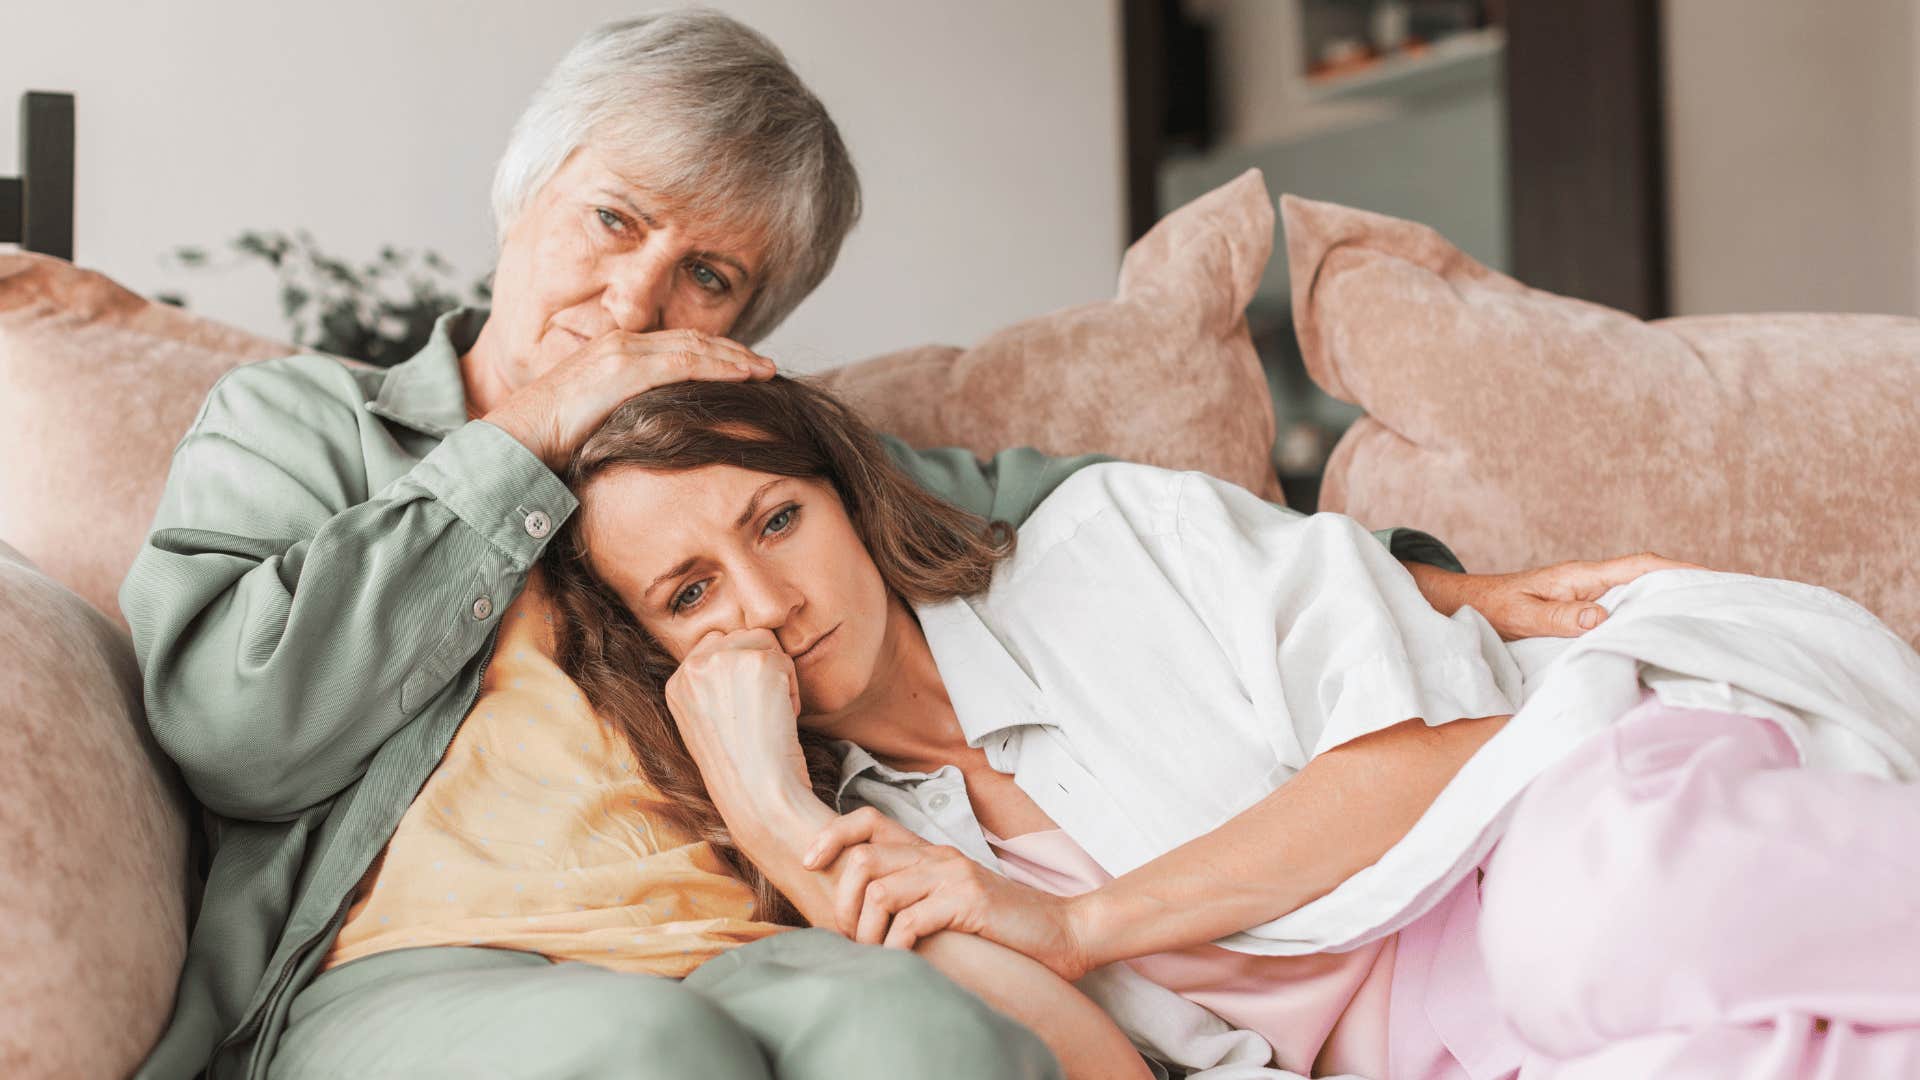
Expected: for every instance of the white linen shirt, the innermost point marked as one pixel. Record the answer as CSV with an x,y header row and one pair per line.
x,y
1165,649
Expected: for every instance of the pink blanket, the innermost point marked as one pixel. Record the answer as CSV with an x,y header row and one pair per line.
x,y
1677,898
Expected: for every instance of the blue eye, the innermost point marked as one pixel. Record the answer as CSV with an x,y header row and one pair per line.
x,y
689,596
613,222
707,279
781,521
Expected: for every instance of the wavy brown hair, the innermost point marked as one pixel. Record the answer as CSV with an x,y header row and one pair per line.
x,y
926,550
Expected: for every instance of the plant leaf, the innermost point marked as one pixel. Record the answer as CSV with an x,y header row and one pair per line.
x,y
292,299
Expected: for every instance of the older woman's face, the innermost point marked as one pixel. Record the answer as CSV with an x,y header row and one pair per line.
x,y
594,251
724,548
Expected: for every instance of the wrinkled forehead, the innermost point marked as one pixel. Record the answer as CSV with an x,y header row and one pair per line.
x,y
698,201
638,522
635,507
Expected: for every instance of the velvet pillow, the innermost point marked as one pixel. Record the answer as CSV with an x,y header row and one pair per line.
x,y
1525,428
93,834
1164,373
97,384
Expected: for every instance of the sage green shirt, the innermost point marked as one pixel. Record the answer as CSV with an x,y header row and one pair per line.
x,y
313,610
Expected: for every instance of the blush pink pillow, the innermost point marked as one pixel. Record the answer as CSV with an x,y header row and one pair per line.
x,y
1524,428
93,831
97,384
1164,373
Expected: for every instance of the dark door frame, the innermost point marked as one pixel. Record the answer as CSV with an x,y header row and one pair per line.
x,y
1586,147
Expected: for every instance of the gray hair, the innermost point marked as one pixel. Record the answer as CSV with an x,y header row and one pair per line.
x,y
723,129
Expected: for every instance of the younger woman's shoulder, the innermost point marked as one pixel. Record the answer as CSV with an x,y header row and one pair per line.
x,y
1150,504
1146,498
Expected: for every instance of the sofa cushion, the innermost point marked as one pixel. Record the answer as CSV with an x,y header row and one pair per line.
x,y
97,384
1164,373
93,834
1525,428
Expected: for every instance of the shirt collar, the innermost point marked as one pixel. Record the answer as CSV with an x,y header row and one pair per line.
x,y
426,391
988,688
987,685
854,761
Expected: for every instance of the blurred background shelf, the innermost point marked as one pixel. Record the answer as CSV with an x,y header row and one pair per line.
x,y
1466,60
1417,131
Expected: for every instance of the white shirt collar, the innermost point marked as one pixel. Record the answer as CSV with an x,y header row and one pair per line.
x,y
990,690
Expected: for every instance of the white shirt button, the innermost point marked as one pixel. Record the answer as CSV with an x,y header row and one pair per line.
x,y
939,802
539,524
482,608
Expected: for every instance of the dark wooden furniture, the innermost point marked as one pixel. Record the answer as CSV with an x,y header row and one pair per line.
x,y
1586,153
36,207
1585,142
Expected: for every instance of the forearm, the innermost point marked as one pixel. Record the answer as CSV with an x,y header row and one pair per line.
x,y
773,821
1085,1039
1442,588
774,829
276,663
1332,819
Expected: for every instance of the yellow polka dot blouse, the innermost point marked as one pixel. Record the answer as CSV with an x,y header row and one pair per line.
x,y
536,832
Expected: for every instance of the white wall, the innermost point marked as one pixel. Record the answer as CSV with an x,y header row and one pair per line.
x,y
987,134
1261,84
1793,164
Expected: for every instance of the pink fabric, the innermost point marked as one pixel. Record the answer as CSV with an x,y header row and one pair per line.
x,y
1444,1022
1525,428
1323,1014
1678,898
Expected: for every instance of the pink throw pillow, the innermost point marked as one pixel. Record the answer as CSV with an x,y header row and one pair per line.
x,y
97,384
1525,428
1164,373
93,830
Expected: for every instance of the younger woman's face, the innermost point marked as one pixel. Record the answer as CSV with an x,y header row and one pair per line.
x,y
725,548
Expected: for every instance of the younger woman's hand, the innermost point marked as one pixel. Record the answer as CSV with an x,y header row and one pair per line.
x,y
895,888
736,701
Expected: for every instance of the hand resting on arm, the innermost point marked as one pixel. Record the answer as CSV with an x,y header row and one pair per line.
x,y
1332,819
735,701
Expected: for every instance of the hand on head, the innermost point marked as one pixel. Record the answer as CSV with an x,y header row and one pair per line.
x,y
556,412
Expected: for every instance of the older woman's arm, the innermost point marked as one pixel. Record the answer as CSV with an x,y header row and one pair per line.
x,y
1008,486
1550,601
286,619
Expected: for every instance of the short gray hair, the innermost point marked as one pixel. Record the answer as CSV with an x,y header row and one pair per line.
x,y
724,129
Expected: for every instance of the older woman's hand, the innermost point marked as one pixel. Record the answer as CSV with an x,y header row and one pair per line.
x,y
1551,601
554,414
895,889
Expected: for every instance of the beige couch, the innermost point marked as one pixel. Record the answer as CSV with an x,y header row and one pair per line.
x,y
96,387
1520,427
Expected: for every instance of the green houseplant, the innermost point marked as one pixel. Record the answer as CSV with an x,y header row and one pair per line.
x,y
381,311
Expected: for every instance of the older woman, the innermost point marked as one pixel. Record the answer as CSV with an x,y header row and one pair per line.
x,y
337,611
